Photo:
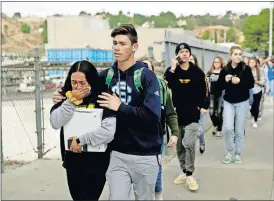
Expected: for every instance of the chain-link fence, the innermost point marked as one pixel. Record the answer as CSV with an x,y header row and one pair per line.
x,y
26,103
27,85
18,106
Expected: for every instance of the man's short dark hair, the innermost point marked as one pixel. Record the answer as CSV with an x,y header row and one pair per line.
x,y
126,29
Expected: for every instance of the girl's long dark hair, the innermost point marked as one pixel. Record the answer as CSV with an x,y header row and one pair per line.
x,y
92,78
257,67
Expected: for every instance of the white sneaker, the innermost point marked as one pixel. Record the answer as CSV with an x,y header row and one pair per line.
x,y
255,125
159,198
191,183
218,135
259,119
180,179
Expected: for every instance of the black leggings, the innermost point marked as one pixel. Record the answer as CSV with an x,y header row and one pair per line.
x,y
256,105
86,174
216,111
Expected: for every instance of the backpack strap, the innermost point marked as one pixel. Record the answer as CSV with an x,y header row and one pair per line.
x,y
137,79
163,91
109,76
242,70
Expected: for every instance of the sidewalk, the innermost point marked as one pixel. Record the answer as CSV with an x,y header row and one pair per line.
x,y
46,179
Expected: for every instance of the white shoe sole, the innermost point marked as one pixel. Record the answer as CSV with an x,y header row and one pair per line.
x,y
192,189
178,183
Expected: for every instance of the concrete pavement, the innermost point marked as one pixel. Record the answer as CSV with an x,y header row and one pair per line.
x,y
253,179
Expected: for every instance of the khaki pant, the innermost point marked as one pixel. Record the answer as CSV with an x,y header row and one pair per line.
x,y
186,146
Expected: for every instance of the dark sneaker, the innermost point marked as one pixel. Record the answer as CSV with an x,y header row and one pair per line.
x,y
202,148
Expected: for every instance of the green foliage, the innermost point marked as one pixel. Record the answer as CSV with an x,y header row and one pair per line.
x,y
115,20
231,35
256,31
191,23
6,27
17,15
82,13
215,37
206,35
139,19
168,19
2,39
45,31
25,28
164,20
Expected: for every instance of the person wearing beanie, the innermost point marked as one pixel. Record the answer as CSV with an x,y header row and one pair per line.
x,y
188,85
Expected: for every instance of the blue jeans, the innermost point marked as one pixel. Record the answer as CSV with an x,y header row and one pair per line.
x,y
271,88
201,130
235,112
158,186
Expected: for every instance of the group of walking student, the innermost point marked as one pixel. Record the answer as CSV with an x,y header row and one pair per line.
x,y
139,107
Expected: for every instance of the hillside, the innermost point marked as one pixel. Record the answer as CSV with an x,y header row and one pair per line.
x,y
14,40
225,28
223,33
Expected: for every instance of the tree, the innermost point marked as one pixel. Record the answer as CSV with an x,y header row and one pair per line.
x,y
226,22
45,32
139,19
82,13
228,13
206,35
115,20
165,20
238,23
256,31
215,36
17,15
244,16
25,28
190,23
6,27
231,35
2,39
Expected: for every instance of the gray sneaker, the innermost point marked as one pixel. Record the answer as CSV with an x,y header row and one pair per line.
x,y
228,158
218,135
238,159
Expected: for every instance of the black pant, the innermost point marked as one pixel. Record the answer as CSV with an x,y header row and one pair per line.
x,y
216,111
256,105
86,174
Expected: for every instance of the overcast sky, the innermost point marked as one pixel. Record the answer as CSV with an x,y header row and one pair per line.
x,y
44,9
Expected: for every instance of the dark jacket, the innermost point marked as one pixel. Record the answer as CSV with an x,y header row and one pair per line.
x,y
188,92
138,129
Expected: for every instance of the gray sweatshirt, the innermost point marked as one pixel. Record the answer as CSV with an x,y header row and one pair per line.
x,y
101,135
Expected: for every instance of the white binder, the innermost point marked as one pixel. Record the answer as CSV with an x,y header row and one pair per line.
x,y
82,121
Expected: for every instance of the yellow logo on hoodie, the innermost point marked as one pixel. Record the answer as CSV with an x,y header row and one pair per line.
x,y
184,81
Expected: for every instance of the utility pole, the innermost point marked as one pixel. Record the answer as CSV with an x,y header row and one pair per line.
x,y
270,28
38,108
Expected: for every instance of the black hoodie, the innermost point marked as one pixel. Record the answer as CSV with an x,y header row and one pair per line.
x,y
235,93
138,117
189,90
